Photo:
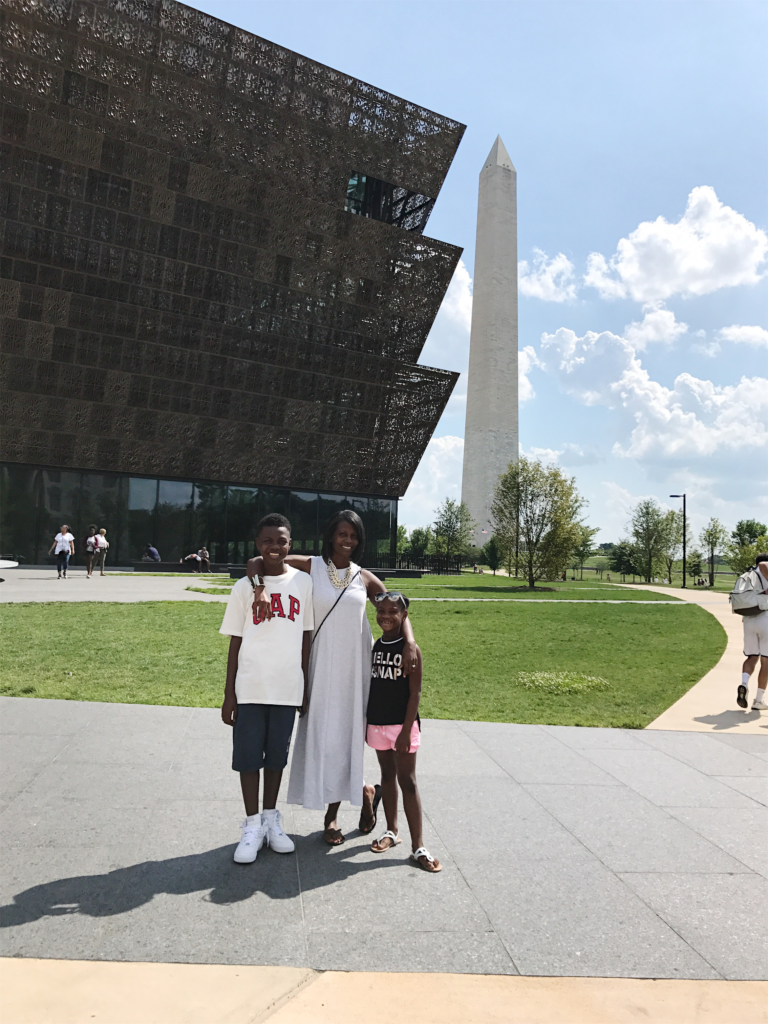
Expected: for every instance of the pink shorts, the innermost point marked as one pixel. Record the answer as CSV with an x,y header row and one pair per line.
x,y
382,737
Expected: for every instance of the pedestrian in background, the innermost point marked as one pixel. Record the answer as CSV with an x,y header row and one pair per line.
x,y
91,546
64,546
103,548
205,559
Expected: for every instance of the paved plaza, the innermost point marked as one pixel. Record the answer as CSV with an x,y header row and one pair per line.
x,y
567,851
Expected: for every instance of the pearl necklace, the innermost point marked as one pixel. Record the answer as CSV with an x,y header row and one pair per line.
x,y
333,575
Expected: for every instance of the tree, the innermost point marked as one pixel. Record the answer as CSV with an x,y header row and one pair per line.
x,y
623,559
452,528
741,557
583,548
672,540
419,541
492,553
747,531
711,538
402,539
648,526
695,560
535,514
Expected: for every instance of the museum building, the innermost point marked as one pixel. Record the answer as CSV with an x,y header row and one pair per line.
x,y
215,285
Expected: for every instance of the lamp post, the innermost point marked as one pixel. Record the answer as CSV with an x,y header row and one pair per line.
x,y
683,497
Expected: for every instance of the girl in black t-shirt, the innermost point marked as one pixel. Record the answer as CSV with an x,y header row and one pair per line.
x,y
394,727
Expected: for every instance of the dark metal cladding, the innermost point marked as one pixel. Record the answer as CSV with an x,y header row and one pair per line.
x,y
212,259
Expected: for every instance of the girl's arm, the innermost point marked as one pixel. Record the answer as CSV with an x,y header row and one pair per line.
x,y
374,585
403,741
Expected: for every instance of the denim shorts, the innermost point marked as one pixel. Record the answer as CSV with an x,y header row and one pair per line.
x,y
261,737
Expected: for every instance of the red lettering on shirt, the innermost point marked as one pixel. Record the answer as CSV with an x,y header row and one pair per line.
x,y
295,607
277,606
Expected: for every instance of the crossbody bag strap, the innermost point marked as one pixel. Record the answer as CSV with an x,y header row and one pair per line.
x,y
335,603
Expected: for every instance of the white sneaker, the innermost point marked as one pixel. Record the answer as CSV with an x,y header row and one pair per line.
x,y
759,705
276,839
251,840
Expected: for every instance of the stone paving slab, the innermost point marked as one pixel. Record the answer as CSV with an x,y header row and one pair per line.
x,y
615,859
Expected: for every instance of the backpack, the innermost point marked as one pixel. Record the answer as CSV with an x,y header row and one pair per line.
x,y
747,595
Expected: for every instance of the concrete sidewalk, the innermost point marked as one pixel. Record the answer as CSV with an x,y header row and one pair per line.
x,y
710,705
44,585
568,852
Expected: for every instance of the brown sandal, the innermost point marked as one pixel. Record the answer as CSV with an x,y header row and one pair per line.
x,y
334,836
392,840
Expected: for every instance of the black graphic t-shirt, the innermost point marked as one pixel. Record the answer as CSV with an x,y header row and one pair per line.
x,y
390,689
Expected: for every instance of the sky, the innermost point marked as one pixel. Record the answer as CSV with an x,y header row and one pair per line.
x,y
639,131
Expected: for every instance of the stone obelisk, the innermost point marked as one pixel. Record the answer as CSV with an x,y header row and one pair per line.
x,y
491,434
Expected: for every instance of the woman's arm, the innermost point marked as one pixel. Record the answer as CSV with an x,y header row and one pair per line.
x,y
262,606
373,585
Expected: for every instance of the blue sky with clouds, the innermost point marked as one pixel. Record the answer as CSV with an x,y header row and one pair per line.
x,y
640,136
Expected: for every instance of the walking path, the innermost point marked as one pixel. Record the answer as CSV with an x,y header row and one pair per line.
x,y
44,585
710,705
568,852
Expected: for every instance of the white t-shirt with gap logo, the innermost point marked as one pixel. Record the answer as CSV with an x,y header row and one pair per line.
x,y
269,663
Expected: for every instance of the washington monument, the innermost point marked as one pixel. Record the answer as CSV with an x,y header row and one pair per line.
x,y
491,435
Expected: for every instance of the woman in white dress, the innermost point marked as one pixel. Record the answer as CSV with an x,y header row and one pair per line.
x,y
327,765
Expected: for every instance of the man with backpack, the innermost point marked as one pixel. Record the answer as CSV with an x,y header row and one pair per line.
x,y
749,598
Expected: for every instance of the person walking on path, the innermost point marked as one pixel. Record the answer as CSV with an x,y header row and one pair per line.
x,y
327,764
266,683
101,553
91,545
394,728
64,546
756,644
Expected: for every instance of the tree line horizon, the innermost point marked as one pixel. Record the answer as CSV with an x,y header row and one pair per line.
x,y
538,531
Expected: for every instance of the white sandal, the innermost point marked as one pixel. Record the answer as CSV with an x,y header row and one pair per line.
x,y
434,864
389,834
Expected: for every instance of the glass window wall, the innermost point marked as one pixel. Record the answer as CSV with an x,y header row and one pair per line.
x,y
303,517
142,502
210,520
176,516
102,504
19,505
173,520
60,505
242,517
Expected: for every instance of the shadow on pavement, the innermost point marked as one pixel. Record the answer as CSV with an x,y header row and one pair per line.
x,y
728,719
125,889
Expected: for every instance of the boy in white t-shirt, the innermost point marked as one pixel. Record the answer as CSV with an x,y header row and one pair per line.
x,y
266,683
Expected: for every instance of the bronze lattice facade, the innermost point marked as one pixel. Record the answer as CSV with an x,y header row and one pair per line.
x,y
213,265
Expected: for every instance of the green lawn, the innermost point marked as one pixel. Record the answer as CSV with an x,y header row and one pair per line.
x,y
481,660
470,585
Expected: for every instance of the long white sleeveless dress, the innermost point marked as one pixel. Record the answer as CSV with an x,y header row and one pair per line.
x,y
327,763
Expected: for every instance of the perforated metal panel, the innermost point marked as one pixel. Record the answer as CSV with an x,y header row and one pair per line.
x,y
183,291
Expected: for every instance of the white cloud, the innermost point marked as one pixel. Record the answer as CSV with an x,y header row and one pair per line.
x,y
747,335
438,477
710,247
550,279
710,349
694,419
448,343
457,303
526,360
658,324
